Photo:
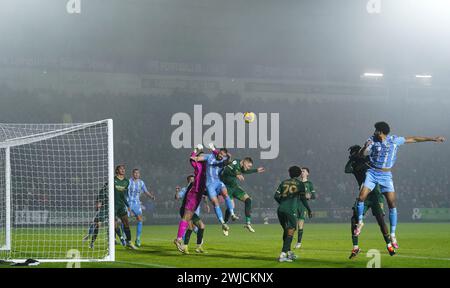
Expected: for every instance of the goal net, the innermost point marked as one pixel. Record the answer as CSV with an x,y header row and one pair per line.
x,y
54,179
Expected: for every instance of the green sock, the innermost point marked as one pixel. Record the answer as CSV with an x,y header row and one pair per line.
x,y
387,239
355,240
187,236
287,244
248,210
227,215
300,235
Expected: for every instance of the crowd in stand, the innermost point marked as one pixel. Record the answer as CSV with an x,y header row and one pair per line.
x,y
315,134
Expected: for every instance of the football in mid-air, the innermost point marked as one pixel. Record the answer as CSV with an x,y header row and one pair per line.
x,y
249,117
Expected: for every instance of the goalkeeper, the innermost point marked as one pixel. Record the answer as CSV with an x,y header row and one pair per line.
x,y
100,217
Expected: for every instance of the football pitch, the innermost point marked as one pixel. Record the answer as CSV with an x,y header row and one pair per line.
x,y
324,245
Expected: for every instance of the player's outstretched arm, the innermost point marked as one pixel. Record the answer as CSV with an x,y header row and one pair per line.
x,y
418,139
254,170
365,150
277,195
150,195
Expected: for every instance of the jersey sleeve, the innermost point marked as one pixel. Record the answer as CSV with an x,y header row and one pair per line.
x,y
313,191
127,193
144,187
182,192
277,196
399,140
250,171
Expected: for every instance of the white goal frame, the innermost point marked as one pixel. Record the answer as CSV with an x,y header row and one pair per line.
x,y
15,142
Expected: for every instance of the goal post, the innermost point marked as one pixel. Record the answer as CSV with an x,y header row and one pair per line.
x,y
56,186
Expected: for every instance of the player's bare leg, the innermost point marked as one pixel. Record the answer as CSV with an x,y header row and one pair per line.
x,y
360,209
391,200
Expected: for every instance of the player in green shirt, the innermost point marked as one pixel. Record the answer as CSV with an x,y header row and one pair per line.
x,y
310,193
230,175
121,206
287,195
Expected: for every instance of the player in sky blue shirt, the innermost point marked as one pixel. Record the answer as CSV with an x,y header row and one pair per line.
x,y
135,189
382,150
214,186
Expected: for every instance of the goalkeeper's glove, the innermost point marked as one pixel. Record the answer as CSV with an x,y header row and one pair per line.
x,y
199,147
211,146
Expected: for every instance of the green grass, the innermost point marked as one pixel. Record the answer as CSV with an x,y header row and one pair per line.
x,y
324,245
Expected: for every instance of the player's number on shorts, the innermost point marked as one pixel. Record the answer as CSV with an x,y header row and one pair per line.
x,y
289,189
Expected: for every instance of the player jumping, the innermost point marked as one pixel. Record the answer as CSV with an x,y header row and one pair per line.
x,y
230,174
310,193
358,166
136,188
196,221
193,196
214,165
382,150
287,196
